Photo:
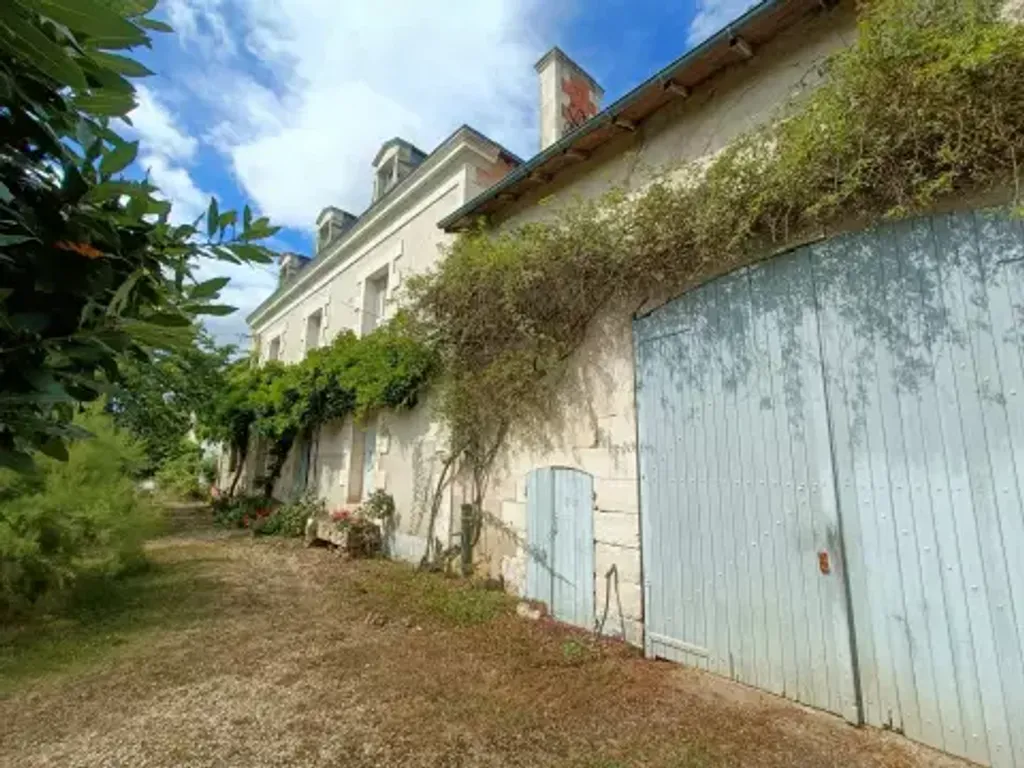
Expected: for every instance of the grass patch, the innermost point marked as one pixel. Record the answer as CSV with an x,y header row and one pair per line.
x,y
249,648
686,757
400,590
100,619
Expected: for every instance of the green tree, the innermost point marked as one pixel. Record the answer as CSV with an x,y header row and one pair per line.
x,y
92,271
230,414
82,516
164,398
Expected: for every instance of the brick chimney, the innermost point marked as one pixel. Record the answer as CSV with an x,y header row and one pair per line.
x,y
568,96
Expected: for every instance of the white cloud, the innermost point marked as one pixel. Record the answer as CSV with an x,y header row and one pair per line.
x,y
321,84
166,150
176,184
200,23
166,153
249,283
298,96
293,170
712,15
157,129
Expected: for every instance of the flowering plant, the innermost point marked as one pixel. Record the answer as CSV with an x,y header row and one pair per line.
x,y
362,535
258,514
342,518
241,511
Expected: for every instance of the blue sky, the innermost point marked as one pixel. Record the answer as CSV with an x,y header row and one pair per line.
x,y
283,103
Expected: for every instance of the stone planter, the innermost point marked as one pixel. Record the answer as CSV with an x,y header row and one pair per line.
x,y
358,537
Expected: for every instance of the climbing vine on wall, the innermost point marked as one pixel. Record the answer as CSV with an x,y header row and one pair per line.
x,y
387,369
925,105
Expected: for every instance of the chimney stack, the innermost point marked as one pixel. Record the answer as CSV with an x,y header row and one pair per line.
x,y
568,96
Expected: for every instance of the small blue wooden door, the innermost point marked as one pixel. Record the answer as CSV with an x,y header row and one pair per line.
x,y
301,476
369,461
560,543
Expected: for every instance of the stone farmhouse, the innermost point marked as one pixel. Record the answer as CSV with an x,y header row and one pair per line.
x,y
744,478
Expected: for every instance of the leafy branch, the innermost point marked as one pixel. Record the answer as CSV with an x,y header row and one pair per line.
x,y
93,270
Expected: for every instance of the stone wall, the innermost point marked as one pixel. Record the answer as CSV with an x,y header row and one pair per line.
x,y
596,429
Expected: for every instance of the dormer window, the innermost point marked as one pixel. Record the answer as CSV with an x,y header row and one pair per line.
x,y
386,178
396,159
291,265
332,224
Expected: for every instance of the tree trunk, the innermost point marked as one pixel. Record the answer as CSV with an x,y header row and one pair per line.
x,y
243,454
469,538
280,452
435,506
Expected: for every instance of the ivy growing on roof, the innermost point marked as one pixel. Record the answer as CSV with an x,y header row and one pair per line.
x,y
924,106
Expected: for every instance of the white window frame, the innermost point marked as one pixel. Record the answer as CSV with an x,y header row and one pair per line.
x,y
322,312
274,348
372,317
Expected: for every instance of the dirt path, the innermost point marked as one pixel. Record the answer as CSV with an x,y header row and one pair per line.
x,y
235,652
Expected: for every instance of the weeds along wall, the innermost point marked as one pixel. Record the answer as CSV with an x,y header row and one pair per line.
x,y
846,118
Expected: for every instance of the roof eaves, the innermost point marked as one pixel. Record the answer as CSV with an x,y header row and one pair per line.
x,y
313,262
730,31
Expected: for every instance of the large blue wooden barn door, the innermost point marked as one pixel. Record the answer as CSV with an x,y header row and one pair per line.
x,y
831,449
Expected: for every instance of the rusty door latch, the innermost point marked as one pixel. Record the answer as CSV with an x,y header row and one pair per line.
x,y
823,563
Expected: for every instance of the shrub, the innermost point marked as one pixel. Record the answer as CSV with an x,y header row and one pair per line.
x,y
68,519
241,511
389,368
265,516
290,519
363,536
379,506
208,472
182,475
